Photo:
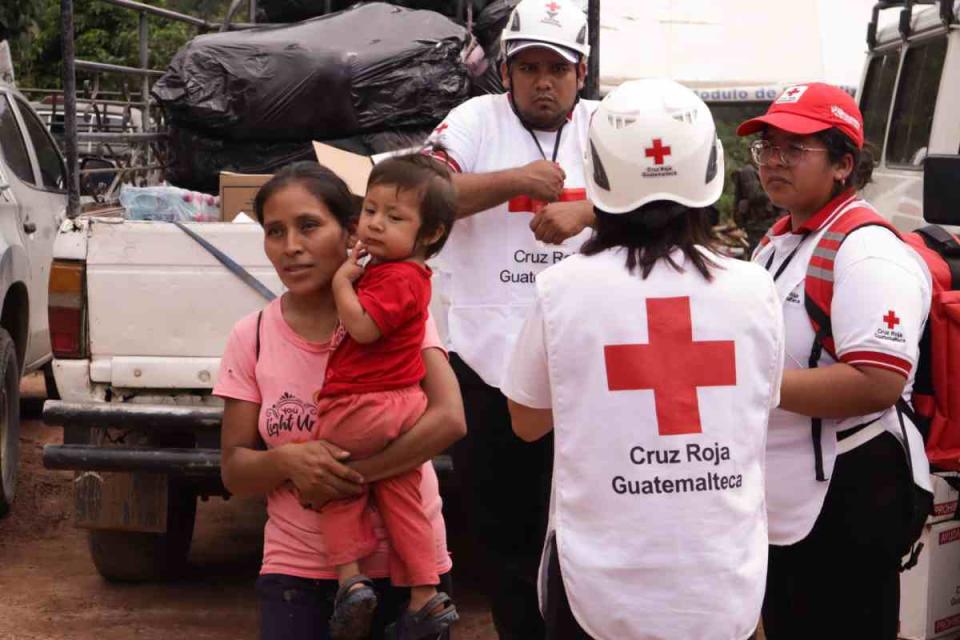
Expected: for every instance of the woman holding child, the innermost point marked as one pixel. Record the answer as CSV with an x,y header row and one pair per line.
x,y
322,450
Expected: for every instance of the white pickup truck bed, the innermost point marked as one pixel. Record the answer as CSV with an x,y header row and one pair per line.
x,y
159,305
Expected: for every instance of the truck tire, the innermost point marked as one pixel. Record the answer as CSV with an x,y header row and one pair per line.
x,y
9,421
134,556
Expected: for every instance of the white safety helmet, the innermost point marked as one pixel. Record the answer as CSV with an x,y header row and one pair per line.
x,y
559,25
653,140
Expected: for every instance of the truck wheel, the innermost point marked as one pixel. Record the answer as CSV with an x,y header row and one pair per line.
x,y
9,421
134,556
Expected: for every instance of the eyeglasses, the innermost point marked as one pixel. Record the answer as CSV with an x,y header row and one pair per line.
x,y
789,155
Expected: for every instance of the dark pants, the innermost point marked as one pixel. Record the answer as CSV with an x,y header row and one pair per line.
x,y
506,492
294,608
842,580
558,617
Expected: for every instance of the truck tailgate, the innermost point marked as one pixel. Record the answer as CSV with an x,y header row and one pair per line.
x,y
160,306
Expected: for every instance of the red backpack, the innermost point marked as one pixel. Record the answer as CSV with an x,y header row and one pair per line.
x,y
935,404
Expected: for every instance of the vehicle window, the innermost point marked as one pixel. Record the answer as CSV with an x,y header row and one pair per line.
x,y
11,143
876,96
49,159
915,103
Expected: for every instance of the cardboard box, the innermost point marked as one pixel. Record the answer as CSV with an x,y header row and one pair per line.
x,y
237,191
352,167
944,496
930,591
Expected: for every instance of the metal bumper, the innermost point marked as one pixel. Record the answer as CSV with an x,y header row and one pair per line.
x,y
88,457
147,417
144,417
154,418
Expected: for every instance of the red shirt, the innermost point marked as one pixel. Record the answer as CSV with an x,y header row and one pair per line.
x,y
395,295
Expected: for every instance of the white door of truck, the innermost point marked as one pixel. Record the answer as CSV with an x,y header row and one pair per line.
x,y
42,211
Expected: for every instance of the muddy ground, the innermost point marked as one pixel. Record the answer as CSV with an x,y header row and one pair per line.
x,y
49,589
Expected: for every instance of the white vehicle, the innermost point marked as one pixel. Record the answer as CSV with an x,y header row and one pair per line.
x,y
150,310
910,97
32,206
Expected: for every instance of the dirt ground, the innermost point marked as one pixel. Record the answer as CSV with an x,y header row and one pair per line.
x,y
49,589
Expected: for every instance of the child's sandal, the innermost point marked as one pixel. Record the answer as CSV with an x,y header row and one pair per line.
x,y
426,623
353,610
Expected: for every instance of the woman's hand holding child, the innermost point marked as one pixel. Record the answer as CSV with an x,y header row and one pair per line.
x,y
317,471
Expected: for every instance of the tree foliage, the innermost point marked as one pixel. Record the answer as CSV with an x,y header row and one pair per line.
x,y
103,33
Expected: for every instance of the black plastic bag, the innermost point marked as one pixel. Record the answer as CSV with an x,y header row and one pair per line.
x,y
372,67
196,160
296,10
491,22
488,28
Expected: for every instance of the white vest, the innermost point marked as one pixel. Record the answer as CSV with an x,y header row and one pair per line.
x,y
660,535
794,495
491,259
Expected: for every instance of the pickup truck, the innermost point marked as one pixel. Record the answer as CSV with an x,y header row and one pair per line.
x,y
32,205
149,310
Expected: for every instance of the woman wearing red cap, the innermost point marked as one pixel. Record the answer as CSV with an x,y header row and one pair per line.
x,y
847,478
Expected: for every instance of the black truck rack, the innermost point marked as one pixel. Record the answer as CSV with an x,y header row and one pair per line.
x,y
947,15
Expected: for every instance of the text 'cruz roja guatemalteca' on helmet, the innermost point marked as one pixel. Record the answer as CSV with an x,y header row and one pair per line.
x,y
653,140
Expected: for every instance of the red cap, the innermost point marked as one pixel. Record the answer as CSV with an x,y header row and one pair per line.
x,y
809,108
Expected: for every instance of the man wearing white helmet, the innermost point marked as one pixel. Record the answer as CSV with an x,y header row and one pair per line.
x,y
655,362
518,164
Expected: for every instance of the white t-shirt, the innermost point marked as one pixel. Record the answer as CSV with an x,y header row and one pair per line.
x,y
486,272
661,389
881,299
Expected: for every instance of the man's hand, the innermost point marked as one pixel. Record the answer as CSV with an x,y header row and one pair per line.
x,y
558,221
543,180
351,269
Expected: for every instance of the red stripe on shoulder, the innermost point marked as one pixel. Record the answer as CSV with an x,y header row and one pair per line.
x,y
880,360
446,159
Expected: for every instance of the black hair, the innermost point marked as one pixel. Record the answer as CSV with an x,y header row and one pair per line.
x,y
320,181
430,178
838,145
652,232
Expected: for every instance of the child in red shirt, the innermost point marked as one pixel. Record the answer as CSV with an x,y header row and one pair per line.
x,y
372,390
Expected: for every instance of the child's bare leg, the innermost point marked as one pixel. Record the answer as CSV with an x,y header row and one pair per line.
x,y
347,571
420,596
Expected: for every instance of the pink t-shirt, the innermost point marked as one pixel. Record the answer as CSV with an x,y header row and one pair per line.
x,y
283,382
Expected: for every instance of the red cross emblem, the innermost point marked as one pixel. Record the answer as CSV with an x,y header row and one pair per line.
x,y
891,319
443,127
553,7
672,365
658,152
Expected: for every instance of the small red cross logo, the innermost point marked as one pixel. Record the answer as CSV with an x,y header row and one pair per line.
x,y
672,365
658,152
553,7
443,127
891,319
